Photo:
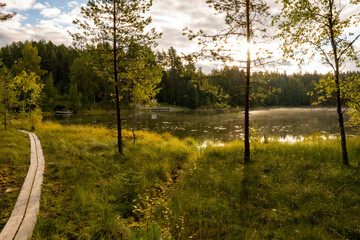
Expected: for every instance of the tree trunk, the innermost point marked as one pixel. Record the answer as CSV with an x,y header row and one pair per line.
x,y
118,116
22,114
133,124
247,87
341,121
337,84
9,116
5,114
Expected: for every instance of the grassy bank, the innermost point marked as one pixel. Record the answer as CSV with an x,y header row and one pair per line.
x,y
298,191
164,188
14,163
91,192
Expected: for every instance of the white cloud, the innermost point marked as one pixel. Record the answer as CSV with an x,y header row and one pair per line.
x,y
50,12
73,4
39,6
170,17
19,4
53,26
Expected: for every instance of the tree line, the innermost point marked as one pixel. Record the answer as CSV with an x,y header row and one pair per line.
x,y
70,82
115,49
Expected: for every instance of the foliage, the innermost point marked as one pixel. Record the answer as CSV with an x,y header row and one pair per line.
x,y
108,30
183,85
223,45
89,83
5,16
244,19
141,76
28,89
7,91
49,95
181,82
310,28
74,98
30,61
321,26
35,118
351,88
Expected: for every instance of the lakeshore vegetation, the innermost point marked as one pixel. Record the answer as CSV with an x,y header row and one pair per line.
x,y
166,188
102,183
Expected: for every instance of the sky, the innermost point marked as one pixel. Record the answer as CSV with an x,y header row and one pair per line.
x,y
52,19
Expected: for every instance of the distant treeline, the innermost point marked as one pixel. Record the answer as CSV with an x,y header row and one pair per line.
x,y
70,81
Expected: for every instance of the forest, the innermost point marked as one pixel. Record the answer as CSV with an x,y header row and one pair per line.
x,y
278,175
70,83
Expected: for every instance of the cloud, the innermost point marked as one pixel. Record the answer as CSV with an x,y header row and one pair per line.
x,y
19,4
171,17
73,4
39,6
53,26
50,12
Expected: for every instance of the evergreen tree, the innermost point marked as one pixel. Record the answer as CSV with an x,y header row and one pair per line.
x,y
74,98
7,92
110,26
49,94
244,19
5,16
30,61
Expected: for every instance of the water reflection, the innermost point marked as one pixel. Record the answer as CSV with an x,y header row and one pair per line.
x,y
215,126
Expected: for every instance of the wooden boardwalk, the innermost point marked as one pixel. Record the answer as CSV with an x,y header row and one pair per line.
x,y
160,109
21,223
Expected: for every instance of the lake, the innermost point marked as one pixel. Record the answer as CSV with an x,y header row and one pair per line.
x,y
214,125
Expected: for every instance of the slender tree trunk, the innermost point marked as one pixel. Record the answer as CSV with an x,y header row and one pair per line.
x,y
247,87
341,120
5,114
337,84
22,114
9,116
133,124
118,116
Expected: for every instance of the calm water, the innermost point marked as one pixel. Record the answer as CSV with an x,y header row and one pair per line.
x,y
214,125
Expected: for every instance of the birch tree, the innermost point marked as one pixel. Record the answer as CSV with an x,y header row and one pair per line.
x,y
309,28
28,91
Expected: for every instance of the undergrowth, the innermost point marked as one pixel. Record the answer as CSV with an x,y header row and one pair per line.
x,y
298,191
91,192
14,163
165,188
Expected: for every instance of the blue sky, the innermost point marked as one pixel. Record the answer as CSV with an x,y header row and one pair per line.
x,y
52,19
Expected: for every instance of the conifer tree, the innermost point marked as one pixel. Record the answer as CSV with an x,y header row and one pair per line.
x,y
5,16
110,26
244,20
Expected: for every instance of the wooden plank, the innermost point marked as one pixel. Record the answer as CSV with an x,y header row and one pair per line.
x,y
21,223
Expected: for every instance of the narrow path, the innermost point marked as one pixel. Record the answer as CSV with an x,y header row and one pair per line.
x,y
21,223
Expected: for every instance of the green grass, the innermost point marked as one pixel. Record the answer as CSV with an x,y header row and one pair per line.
x,y
90,191
164,188
14,163
298,191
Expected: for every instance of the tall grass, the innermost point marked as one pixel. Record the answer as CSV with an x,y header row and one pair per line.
x,y
298,191
90,191
14,163
164,188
